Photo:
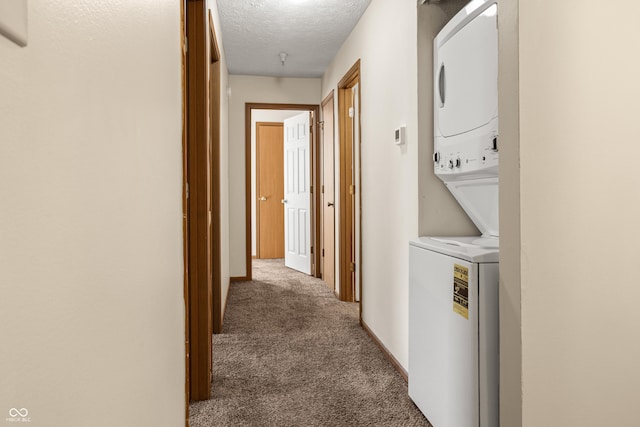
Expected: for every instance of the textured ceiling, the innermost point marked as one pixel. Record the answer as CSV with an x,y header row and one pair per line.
x,y
255,32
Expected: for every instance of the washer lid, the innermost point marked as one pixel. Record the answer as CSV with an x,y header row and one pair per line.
x,y
479,199
458,247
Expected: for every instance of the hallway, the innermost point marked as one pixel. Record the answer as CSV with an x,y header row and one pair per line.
x,y
291,354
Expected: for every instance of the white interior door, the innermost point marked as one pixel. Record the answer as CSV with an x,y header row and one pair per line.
x,y
297,193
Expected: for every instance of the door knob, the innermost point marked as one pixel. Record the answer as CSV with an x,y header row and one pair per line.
x,y
330,204
283,201
262,199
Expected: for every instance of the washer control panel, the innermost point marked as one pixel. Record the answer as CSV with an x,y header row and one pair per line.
x,y
474,156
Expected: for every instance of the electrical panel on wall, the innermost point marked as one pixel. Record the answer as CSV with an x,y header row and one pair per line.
x,y
13,21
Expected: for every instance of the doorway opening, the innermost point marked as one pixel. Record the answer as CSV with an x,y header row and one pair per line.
x,y
350,213
310,179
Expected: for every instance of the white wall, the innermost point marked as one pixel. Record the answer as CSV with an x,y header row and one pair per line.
x,y
400,200
273,116
251,89
510,285
389,173
224,155
440,213
91,271
580,212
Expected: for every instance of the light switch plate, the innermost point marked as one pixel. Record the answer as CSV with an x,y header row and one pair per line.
x,y
13,21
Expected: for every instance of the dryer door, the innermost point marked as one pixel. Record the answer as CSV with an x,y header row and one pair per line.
x,y
466,76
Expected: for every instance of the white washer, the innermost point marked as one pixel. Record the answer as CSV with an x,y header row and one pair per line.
x,y
453,352
453,281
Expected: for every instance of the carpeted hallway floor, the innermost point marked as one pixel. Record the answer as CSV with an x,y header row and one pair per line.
x,y
291,354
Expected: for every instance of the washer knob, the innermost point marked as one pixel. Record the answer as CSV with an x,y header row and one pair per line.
x,y
458,162
436,157
450,164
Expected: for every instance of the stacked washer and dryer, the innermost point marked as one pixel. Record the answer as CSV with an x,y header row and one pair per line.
x,y
453,281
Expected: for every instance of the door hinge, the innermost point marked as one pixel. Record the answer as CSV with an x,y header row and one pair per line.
x,y
311,189
352,189
323,252
322,189
311,250
187,190
321,124
352,267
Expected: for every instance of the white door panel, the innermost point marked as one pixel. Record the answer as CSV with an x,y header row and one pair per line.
x,y
297,193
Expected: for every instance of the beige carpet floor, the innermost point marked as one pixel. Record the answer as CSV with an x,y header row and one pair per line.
x,y
291,354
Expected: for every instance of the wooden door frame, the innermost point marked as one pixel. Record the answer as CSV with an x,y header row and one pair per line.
x,y
347,209
330,98
214,119
315,177
196,199
257,180
185,223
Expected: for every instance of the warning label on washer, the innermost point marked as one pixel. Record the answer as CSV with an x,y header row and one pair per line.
x,y
461,290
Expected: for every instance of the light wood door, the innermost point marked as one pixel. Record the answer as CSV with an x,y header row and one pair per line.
x,y
270,190
297,193
328,194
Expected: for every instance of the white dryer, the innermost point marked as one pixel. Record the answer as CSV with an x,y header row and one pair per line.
x,y
453,331
453,281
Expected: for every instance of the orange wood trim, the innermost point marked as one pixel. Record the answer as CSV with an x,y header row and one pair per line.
x,y
385,351
200,292
214,119
346,246
327,98
185,228
258,190
358,145
347,207
248,107
351,77
345,211
247,183
239,279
